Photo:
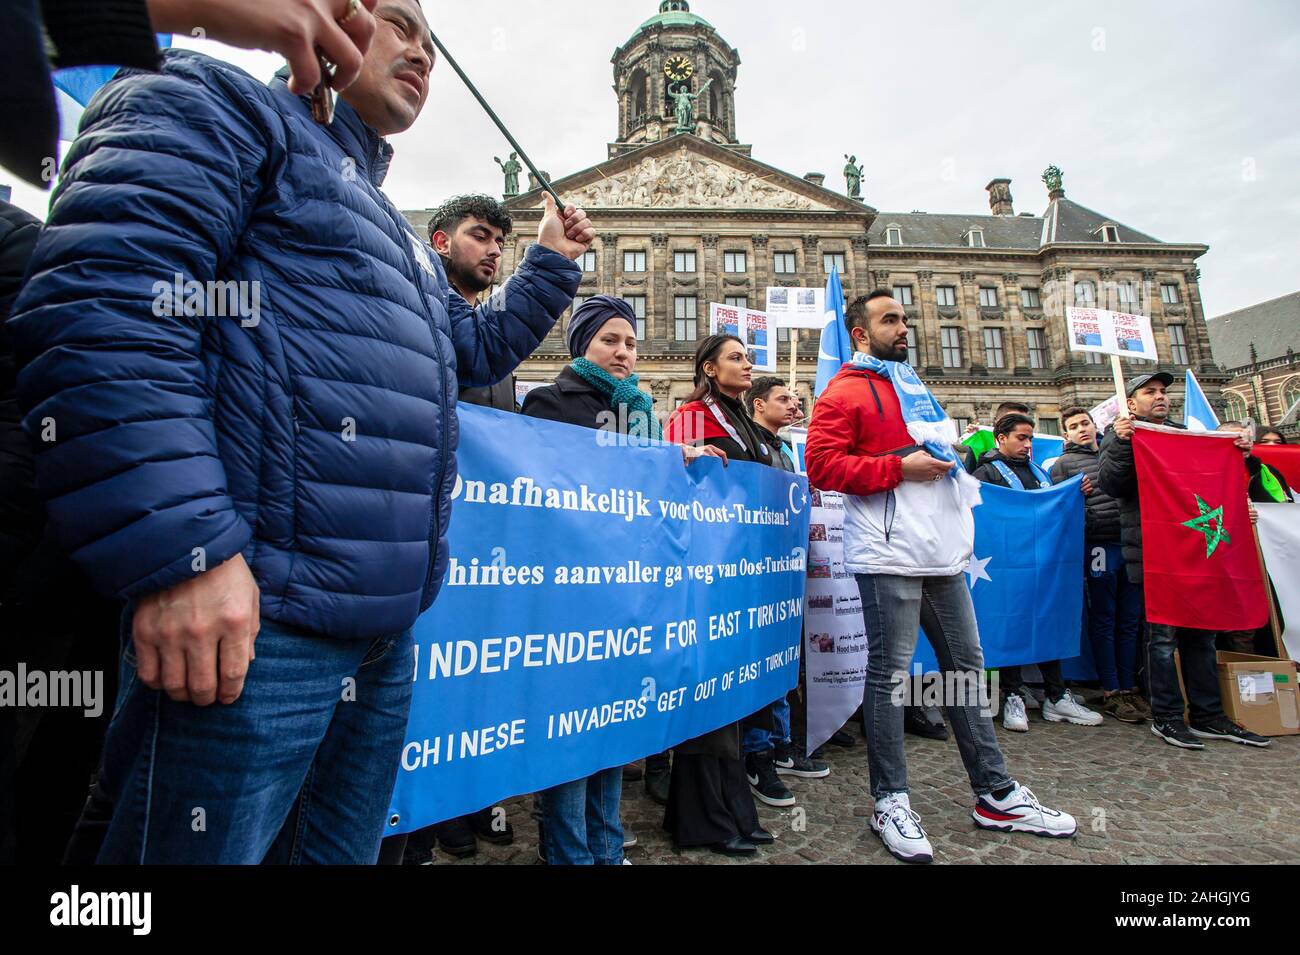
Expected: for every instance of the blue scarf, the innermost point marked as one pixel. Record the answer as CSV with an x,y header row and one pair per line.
x,y
622,392
926,421
1013,479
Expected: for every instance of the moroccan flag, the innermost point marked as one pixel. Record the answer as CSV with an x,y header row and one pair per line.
x,y
1198,549
1285,459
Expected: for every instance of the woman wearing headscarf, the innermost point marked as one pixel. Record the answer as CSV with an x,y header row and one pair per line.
x,y
709,799
599,390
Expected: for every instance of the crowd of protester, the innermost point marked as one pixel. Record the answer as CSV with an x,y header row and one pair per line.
x,y
179,510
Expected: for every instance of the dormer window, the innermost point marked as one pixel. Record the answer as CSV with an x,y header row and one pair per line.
x,y
975,238
893,235
1109,233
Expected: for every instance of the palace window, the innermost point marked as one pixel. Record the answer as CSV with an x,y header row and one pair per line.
x,y
988,297
588,261
993,354
683,261
1029,298
893,235
684,315
734,263
834,260
1169,294
945,296
1178,344
1037,348
950,339
783,263
638,306
903,294
634,261
1085,293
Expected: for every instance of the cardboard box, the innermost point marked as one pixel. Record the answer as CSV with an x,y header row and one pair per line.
x,y
1260,693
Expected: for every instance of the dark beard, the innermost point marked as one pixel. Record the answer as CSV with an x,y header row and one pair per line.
x,y
468,282
891,354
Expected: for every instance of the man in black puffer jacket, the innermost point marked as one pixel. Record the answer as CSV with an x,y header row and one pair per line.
x,y
1114,603
1117,475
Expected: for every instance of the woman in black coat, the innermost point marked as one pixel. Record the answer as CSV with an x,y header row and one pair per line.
x,y
599,390
709,801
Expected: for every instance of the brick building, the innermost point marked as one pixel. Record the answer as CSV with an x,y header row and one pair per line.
x,y
689,218
1259,350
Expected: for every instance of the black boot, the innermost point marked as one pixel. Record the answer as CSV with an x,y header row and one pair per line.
x,y
658,774
456,838
485,826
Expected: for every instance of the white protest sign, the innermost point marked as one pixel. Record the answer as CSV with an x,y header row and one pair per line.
x,y
797,307
750,327
1111,333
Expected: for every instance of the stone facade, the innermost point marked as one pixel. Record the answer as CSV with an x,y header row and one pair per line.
x,y
659,194
1259,349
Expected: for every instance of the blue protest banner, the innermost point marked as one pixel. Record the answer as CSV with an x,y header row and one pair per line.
x,y
1026,576
602,603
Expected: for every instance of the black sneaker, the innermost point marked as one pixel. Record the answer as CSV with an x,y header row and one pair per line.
x,y
1223,728
789,762
764,781
1175,733
842,738
456,838
917,722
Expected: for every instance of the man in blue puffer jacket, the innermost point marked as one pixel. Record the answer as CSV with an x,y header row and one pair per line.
x,y
241,368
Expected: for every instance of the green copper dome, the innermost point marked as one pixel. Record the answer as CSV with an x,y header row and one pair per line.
x,y
675,13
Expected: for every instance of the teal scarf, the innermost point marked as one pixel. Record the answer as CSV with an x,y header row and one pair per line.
x,y
625,394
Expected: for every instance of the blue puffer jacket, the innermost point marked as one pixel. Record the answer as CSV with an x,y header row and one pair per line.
x,y
314,429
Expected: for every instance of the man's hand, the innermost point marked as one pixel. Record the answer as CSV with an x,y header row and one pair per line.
x,y
1124,428
1254,514
292,28
921,466
570,235
972,428
691,453
1088,488
196,640
1244,444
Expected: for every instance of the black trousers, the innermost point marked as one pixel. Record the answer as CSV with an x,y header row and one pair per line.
x,y
709,801
1013,680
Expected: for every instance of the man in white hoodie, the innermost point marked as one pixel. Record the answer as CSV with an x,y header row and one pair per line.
x,y
879,438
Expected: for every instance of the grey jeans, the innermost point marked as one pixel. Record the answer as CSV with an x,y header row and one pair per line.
x,y
894,609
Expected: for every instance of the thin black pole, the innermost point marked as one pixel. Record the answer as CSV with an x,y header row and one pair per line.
x,y
451,61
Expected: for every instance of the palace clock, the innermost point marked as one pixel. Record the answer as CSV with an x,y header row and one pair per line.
x,y
679,68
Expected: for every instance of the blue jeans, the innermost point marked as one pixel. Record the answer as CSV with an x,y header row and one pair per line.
x,y
761,740
300,769
1115,607
894,609
581,820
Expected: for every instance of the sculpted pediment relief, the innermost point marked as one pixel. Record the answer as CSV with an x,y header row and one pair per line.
x,y
685,179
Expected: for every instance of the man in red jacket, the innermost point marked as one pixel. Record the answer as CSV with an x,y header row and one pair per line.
x,y
908,536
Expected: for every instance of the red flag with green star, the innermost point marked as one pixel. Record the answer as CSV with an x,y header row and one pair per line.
x,y
1199,561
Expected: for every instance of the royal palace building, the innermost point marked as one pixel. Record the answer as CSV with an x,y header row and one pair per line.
x,y
687,216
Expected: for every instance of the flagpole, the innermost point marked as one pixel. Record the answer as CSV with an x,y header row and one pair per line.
x,y
794,358
1118,372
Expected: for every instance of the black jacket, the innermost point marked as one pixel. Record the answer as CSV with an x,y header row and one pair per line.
x,y
1101,511
500,396
775,445
1117,476
989,474
22,514
571,400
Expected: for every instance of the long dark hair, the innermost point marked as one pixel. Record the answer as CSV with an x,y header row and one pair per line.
x,y
706,352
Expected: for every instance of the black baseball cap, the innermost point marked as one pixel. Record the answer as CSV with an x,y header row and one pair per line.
x,y
1161,376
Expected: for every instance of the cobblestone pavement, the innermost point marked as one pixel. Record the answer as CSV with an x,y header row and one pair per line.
x,y
1137,799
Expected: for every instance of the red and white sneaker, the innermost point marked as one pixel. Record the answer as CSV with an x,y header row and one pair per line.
x,y
1022,812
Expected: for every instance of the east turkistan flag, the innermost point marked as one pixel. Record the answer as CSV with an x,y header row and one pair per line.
x,y
836,348
1196,407
1025,576
76,86
1047,447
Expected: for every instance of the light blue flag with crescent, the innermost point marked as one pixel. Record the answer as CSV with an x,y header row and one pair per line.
x,y
836,348
1196,407
76,86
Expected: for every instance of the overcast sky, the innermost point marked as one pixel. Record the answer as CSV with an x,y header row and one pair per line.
x,y
1180,118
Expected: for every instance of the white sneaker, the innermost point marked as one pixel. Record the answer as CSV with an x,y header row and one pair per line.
x,y
1070,710
1022,812
1013,714
900,829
